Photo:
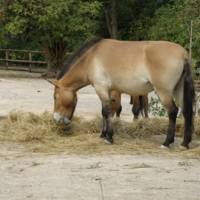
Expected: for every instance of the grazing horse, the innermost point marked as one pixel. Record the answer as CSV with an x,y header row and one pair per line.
x,y
134,68
115,103
139,103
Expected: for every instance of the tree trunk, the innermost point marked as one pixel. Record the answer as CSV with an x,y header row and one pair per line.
x,y
111,18
114,20
191,35
55,58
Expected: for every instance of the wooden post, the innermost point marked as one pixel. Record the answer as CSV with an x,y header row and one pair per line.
x,y
30,59
6,59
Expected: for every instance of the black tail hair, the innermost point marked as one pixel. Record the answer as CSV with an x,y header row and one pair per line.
x,y
188,100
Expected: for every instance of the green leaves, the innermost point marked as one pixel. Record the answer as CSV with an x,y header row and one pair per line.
x,y
173,23
156,108
47,20
55,25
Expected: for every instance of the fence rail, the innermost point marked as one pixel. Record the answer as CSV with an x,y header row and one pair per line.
x,y
30,61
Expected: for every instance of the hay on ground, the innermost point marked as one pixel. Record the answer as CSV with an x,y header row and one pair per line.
x,y
82,136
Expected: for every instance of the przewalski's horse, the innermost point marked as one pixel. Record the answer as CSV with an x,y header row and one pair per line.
x,y
134,68
140,105
115,103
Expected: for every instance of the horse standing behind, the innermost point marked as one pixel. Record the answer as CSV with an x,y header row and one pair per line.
x,y
140,105
134,68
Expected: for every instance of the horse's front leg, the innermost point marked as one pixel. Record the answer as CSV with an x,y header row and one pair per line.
x,y
103,134
107,131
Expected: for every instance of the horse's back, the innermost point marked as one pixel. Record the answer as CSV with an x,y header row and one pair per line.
x,y
136,53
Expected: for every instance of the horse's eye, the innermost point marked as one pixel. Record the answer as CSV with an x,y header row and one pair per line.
x,y
113,100
55,97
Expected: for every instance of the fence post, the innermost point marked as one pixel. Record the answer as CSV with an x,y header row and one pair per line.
x,y
30,59
6,59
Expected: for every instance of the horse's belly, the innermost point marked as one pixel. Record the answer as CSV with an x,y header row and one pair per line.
x,y
131,80
134,88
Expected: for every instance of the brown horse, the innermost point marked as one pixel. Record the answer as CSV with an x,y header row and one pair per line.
x,y
134,68
115,103
140,104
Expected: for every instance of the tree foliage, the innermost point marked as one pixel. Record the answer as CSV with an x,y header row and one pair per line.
x,y
62,25
135,18
54,24
173,23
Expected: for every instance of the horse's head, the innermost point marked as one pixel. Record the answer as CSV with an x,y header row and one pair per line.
x,y
64,102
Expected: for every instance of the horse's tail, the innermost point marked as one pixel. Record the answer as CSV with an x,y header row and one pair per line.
x,y
188,100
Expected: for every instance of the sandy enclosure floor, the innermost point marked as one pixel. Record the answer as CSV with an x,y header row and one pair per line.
x,y
98,177
26,175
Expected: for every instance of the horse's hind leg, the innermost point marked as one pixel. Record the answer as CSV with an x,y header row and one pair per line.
x,y
145,105
119,111
172,111
136,107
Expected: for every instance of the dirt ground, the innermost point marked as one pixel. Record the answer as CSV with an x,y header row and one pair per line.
x,y
34,176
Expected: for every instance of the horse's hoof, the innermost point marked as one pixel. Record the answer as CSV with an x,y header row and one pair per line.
x,y
182,148
102,135
162,147
107,142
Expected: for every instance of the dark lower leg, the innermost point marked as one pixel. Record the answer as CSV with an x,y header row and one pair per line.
x,y
119,111
172,113
145,105
103,134
136,111
146,112
107,131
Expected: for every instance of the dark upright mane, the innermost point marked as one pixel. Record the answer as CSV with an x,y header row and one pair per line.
x,y
75,56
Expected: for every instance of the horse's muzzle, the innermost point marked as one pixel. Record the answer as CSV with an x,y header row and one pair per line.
x,y
58,117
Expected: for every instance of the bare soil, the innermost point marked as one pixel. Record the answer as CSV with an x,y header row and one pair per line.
x,y
29,175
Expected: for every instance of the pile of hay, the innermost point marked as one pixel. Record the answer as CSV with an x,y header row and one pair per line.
x,y
82,136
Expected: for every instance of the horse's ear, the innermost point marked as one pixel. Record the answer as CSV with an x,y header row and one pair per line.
x,y
52,81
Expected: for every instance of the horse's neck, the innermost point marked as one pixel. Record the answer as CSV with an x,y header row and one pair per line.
x,y
75,78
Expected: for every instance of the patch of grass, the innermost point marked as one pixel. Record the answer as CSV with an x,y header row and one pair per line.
x,y
95,166
137,166
192,181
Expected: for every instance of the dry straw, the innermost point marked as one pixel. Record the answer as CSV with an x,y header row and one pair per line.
x,y
82,136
